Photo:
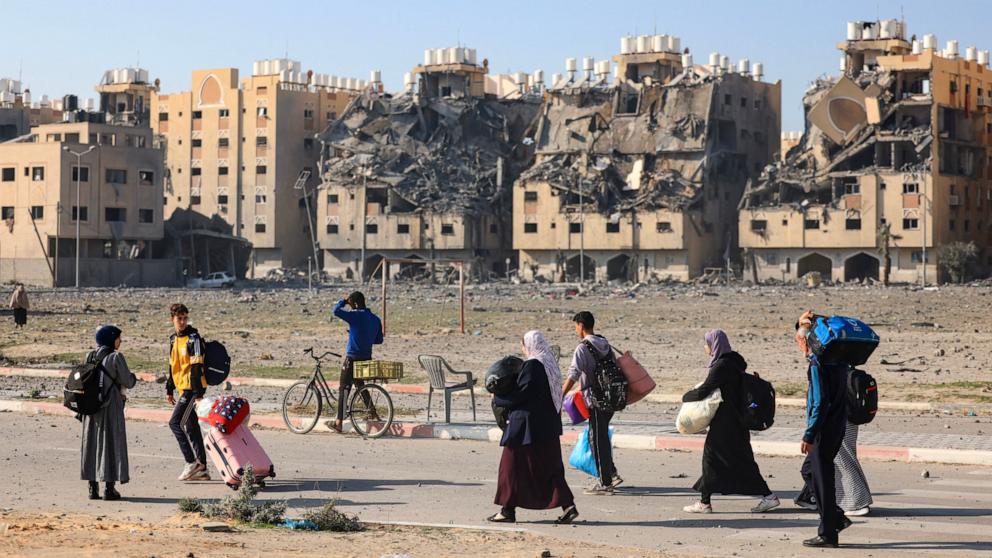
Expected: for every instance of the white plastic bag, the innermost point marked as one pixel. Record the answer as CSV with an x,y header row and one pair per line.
x,y
695,416
203,407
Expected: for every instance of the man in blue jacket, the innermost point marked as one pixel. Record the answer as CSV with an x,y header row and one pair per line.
x,y
364,330
826,412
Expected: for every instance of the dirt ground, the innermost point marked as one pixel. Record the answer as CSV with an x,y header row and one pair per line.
x,y
936,345
72,535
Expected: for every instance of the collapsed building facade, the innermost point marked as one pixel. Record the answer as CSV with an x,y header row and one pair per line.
x,y
641,176
893,164
424,175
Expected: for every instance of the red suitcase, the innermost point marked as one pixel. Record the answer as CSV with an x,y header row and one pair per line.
x,y
231,453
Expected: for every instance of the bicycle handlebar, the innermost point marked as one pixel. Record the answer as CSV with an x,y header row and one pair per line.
x,y
309,351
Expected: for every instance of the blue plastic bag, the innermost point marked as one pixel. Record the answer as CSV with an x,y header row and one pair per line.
x,y
582,457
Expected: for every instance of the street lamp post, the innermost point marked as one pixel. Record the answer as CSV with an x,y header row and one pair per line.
x,y
79,172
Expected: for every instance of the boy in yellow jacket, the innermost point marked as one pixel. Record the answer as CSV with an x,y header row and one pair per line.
x,y
186,375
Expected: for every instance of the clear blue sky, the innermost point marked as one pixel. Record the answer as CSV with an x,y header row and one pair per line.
x,y
65,46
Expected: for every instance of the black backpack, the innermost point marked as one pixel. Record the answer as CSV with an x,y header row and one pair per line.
x,y
83,392
862,397
757,402
609,385
216,362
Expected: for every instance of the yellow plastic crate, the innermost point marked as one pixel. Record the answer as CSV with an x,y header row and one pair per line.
x,y
378,370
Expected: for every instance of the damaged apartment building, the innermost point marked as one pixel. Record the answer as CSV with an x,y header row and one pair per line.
x,y
893,164
639,177
425,174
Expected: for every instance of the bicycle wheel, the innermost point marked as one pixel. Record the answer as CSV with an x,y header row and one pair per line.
x,y
371,411
301,407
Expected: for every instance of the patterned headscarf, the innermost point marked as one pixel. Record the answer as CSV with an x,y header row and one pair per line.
x,y
719,344
538,349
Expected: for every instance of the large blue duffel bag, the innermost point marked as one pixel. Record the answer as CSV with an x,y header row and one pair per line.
x,y
842,340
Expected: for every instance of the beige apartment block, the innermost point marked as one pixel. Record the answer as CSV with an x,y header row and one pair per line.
x,y
640,177
902,140
119,186
18,113
244,150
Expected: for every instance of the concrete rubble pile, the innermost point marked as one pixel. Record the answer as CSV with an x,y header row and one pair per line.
x,y
893,114
435,154
632,146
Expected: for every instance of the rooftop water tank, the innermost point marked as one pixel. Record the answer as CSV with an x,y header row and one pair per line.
x,y
376,76
758,70
917,47
971,54
952,49
626,45
929,42
725,63
686,60
674,43
714,59
870,31
539,77
853,30
588,63
843,63
642,43
744,66
659,43
983,57
428,59
570,65
470,54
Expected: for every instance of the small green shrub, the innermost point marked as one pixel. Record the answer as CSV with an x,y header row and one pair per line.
x,y
190,505
242,507
328,518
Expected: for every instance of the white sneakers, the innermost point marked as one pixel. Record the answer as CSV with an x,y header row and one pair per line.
x,y
765,504
194,471
698,507
859,512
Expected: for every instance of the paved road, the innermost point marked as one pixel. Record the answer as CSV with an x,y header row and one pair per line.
x,y
452,482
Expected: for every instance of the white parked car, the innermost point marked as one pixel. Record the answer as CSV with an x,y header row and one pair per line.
x,y
214,281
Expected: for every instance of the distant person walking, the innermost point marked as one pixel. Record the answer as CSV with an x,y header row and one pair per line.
x,y
104,439
364,330
826,422
19,304
728,460
186,375
531,472
583,370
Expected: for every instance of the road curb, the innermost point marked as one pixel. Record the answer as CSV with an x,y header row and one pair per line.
x,y
489,433
418,389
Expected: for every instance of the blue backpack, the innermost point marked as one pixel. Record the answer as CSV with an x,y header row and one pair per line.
x,y
842,340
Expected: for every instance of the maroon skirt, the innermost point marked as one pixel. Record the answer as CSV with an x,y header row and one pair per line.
x,y
533,477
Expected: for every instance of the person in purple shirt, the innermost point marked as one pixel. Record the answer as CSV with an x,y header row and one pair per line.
x,y
364,330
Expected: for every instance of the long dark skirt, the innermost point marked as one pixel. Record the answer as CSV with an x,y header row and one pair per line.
x,y
533,477
728,461
20,316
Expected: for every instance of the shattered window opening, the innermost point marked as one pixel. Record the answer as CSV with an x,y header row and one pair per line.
x,y
447,229
259,227
910,224
402,228
811,224
194,200
612,227
574,228
910,188
663,227
530,228
371,228
530,196
332,229
332,198
759,225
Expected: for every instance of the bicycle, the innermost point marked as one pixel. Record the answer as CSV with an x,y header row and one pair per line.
x,y
369,408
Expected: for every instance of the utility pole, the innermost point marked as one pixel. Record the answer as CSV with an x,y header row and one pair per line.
x,y
582,238
361,264
79,209
923,217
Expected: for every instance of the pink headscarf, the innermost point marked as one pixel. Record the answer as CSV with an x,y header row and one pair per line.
x,y
539,350
719,344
